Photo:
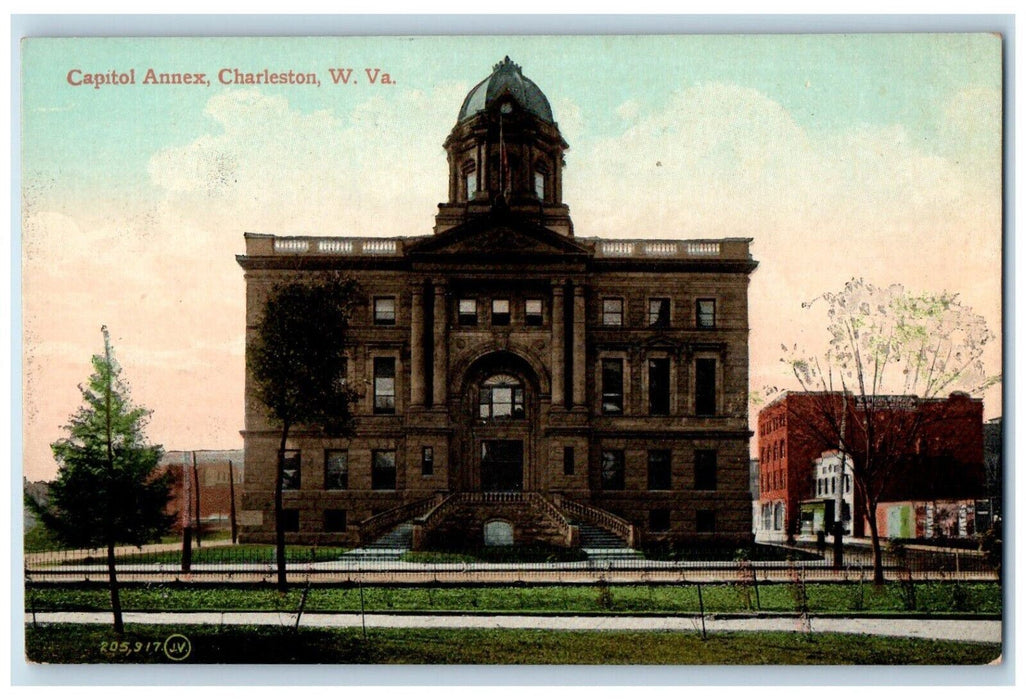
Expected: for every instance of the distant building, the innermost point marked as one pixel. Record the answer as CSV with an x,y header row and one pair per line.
x,y
214,468
943,462
831,477
517,378
993,461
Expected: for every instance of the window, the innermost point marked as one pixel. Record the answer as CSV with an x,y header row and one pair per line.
x,y
336,470
384,311
539,185
384,385
705,387
501,396
612,470
659,386
533,312
290,519
383,470
343,373
471,183
659,519
705,313
705,521
290,460
334,520
705,470
833,484
568,460
468,312
427,461
612,312
612,386
500,312
659,478
658,313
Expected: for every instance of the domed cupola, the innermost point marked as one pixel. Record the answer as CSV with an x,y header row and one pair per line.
x,y
506,81
506,154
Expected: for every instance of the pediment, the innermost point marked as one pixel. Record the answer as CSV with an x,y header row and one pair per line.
x,y
493,236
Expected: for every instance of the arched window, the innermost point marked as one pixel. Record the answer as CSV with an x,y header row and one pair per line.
x,y
501,396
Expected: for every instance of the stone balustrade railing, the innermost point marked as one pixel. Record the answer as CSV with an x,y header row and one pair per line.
x,y
570,533
728,248
336,246
615,524
377,525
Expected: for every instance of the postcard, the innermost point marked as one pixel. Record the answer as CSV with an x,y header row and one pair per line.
x,y
677,350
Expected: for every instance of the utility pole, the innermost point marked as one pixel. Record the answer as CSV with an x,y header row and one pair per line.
x,y
195,478
231,502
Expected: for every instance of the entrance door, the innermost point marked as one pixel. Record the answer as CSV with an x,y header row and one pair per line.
x,y
502,465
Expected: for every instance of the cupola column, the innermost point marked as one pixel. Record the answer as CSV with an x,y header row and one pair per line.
x,y
558,349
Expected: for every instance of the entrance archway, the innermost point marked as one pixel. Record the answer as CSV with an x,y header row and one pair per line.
x,y
499,408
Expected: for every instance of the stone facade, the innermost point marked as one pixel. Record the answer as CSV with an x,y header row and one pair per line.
x,y
503,354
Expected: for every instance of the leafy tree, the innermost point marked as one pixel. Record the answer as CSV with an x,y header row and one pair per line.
x,y
888,348
298,368
107,491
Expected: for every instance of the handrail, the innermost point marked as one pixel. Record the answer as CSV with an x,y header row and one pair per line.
x,y
376,525
557,517
614,523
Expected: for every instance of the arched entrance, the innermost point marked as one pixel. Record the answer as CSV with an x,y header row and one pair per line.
x,y
498,407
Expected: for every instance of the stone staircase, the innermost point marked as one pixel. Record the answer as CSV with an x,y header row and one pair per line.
x,y
389,547
600,544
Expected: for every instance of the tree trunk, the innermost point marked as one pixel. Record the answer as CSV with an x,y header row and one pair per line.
x,y
878,576
231,502
279,513
115,594
838,543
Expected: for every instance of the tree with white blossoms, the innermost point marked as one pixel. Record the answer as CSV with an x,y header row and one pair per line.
x,y
888,349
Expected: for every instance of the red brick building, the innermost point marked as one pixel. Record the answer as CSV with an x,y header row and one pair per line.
x,y
216,470
940,443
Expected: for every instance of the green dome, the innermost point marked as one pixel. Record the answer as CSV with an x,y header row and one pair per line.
x,y
506,79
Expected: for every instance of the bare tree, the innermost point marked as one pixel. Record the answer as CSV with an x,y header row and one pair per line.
x,y
890,352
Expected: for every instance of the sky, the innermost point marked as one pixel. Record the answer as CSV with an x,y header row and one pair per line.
x,y
873,156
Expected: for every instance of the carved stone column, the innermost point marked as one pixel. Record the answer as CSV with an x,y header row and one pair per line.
x,y
417,344
441,348
558,348
578,347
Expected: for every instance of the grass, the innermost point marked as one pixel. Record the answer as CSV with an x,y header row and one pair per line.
x,y
751,552
89,644
980,598
39,539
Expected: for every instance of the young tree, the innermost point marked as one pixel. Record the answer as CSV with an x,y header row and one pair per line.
x,y
298,368
107,490
888,350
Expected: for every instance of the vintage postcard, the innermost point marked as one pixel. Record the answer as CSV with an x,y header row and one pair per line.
x,y
519,350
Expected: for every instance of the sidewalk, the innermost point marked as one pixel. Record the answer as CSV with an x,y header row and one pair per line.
x,y
958,630
52,557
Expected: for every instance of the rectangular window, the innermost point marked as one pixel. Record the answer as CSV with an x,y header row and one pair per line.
x,y
705,387
705,470
659,386
612,386
533,312
612,312
290,519
612,470
290,460
471,184
705,521
539,185
568,460
659,520
468,312
384,311
705,313
500,312
334,520
384,385
383,470
658,313
427,461
336,470
659,477
343,373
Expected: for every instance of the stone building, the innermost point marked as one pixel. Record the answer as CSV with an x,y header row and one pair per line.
x,y
518,379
